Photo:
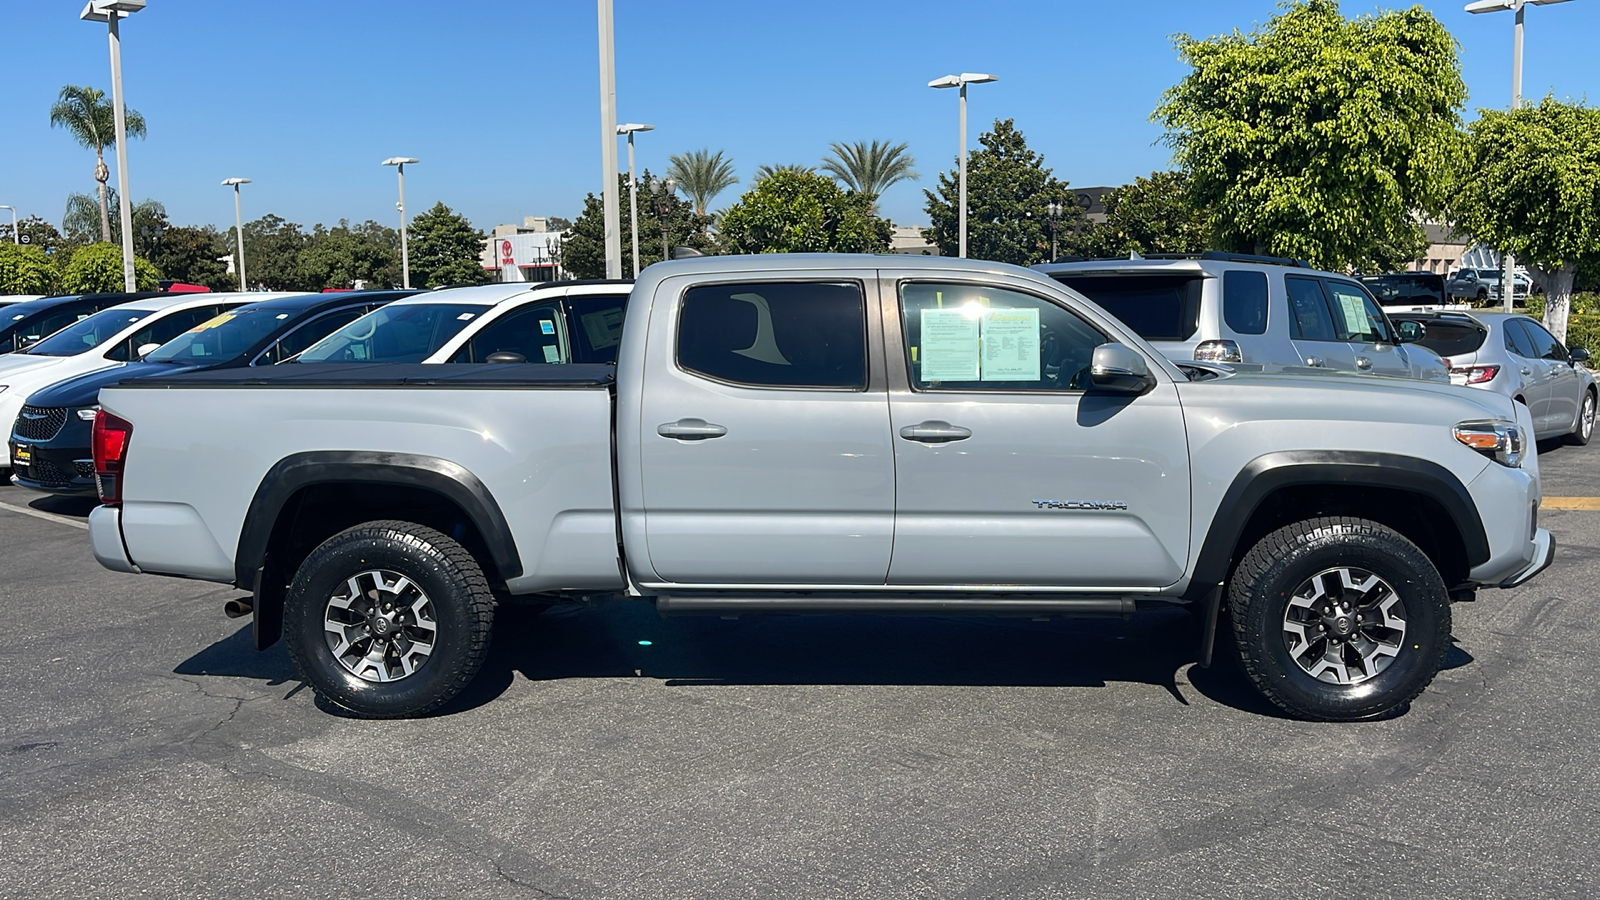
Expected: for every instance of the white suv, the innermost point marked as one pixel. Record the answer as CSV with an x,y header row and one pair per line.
x,y
1250,312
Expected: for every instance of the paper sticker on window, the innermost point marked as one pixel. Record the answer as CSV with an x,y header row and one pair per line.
x,y
211,323
949,345
547,327
1010,344
1355,314
464,317
552,353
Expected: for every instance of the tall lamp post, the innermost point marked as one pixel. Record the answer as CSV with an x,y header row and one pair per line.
x,y
1509,269
664,191
399,162
238,226
1055,210
961,81
109,12
15,237
633,189
610,202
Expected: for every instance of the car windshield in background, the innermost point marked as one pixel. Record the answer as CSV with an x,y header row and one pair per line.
x,y
87,334
406,333
222,337
1158,307
1400,289
1451,337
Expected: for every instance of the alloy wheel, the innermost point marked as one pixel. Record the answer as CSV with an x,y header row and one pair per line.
x,y
380,626
1344,625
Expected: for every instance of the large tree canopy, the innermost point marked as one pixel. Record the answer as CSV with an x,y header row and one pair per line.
x,y
1009,190
1531,186
1152,215
583,248
445,249
1317,136
802,212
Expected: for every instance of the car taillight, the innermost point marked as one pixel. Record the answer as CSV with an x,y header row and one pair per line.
x,y
110,445
1477,374
1218,351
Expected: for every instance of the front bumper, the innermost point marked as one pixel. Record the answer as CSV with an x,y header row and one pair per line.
x,y
68,470
1544,553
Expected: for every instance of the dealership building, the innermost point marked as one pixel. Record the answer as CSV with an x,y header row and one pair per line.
x,y
527,252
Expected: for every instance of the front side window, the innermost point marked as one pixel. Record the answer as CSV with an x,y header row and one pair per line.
x,y
1544,343
1244,301
88,333
397,333
968,337
1356,317
1309,319
161,330
799,334
315,330
534,332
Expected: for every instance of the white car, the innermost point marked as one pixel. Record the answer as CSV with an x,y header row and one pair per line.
x,y
109,337
557,322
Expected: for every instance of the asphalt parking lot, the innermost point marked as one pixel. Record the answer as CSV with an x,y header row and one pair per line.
x,y
147,749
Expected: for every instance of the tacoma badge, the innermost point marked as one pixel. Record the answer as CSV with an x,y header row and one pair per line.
x,y
1081,504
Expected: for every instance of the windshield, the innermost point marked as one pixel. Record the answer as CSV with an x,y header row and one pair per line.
x,y
87,334
1406,289
222,337
407,333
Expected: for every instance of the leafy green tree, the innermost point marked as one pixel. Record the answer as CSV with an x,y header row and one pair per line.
x,y
1531,186
445,249
1151,215
765,171
1318,137
870,169
583,252
340,256
27,269
272,247
1009,189
98,268
702,175
801,212
34,231
91,120
195,256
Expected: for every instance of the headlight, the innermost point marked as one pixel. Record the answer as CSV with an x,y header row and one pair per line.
x,y
1500,441
87,414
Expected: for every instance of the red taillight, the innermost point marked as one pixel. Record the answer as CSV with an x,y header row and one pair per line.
x,y
1477,374
110,444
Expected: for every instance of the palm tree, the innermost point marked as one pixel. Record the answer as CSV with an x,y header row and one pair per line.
x,y
764,172
82,217
702,175
870,169
85,112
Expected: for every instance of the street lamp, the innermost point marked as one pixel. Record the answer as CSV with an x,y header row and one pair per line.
x,y
238,226
1508,296
664,191
399,162
109,11
1055,210
15,238
608,142
961,81
633,189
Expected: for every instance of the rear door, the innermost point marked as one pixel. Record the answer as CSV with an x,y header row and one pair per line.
x,y
1311,326
1534,374
1362,325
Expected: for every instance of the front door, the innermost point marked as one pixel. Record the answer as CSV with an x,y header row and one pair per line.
x,y
1563,389
1010,469
764,435
1373,349
1527,356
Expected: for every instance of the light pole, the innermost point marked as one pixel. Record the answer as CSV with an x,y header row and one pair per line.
x,y
238,226
608,143
399,162
1509,262
109,11
1055,210
15,237
633,189
961,81
664,191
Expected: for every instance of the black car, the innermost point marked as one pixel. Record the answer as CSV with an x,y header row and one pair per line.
x,y
22,324
56,425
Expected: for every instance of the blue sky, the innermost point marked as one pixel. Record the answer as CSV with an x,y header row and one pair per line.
x,y
500,99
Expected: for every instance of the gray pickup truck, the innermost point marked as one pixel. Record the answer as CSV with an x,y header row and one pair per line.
x,y
830,433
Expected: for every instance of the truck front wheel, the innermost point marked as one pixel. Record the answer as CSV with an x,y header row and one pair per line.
x,y
1339,619
388,619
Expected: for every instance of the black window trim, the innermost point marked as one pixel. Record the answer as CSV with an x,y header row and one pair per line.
x,y
867,303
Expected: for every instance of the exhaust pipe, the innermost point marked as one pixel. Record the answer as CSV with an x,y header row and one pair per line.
x,y
238,608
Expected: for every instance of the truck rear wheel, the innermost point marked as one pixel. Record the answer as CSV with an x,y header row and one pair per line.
x,y
388,619
1339,619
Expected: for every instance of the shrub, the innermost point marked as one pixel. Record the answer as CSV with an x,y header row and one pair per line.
x,y
98,268
26,269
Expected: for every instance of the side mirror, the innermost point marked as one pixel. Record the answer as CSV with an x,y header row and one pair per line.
x,y
1120,368
505,356
1578,355
1411,331
146,350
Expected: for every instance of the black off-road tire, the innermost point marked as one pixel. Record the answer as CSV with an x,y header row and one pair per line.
x,y
462,611
1280,563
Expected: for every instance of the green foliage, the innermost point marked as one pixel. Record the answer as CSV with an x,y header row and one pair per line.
x,y
1152,215
702,175
98,268
1008,190
272,247
90,118
340,256
765,171
34,232
81,221
445,249
1318,137
583,251
27,269
799,212
870,169
194,256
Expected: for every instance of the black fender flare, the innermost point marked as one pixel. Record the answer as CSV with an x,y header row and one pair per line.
x,y
440,476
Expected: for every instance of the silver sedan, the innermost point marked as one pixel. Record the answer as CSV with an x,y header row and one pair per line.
x,y
1516,356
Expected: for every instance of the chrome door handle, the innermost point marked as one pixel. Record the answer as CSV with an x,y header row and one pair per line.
x,y
1315,361
691,430
1363,363
1525,370
935,432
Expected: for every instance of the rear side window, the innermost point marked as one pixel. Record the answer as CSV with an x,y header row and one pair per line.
x,y
776,334
1309,319
1157,307
1517,340
1448,337
1244,301
595,326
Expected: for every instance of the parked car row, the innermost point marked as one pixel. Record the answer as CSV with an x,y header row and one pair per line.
x,y
832,432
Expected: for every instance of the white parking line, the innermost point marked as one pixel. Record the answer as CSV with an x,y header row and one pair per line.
x,y
40,514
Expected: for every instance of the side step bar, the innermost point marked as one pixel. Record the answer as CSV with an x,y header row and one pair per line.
x,y
876,604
